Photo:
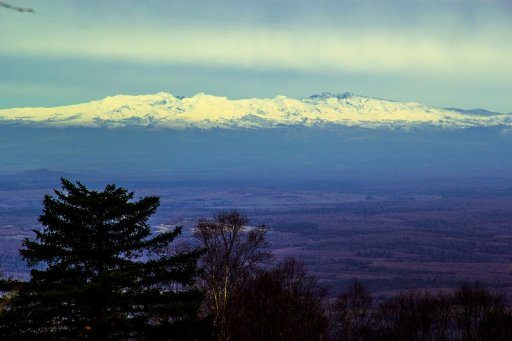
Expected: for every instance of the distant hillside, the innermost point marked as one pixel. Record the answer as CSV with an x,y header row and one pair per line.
x,y
276,153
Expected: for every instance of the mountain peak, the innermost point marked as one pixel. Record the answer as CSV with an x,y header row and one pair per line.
x,y
327,95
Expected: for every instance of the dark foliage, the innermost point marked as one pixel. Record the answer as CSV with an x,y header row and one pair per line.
x,y
97,272
283,303
413,316
481,315
470,313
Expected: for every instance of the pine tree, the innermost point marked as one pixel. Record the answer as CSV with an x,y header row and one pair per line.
x,y
98,273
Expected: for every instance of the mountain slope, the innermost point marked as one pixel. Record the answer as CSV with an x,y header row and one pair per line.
x,y
205,111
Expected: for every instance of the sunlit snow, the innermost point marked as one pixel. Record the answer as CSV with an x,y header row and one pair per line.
x,y
207,111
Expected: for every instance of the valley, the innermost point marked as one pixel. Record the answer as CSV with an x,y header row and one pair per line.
x,y
392,236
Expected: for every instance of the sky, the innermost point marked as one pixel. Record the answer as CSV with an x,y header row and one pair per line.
x,y
439,52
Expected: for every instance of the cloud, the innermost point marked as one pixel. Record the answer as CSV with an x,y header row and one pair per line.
x,y
485,54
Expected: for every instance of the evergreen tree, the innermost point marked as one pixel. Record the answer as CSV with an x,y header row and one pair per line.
x,y
97,273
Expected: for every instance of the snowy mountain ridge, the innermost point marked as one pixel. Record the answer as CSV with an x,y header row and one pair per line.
x,y
163,110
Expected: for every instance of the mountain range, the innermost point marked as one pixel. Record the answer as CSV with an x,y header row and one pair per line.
x,y
163,110
325,136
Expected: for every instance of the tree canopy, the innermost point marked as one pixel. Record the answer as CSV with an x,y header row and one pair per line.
x,y
98,272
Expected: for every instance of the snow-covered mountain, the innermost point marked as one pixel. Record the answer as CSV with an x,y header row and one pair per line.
x,y
206,111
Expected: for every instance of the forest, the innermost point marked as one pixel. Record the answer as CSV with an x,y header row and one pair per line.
x,y
98,272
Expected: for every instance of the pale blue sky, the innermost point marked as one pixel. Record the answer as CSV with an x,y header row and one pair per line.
x,y
444,53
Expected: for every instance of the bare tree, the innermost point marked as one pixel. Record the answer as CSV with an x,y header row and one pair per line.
x,y
351,313
481,314
413,316
283,303
233,251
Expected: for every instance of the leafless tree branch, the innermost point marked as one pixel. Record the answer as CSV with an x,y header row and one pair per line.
x,y
16,8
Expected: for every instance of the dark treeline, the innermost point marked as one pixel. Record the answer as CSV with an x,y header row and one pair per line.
x,y
98,273
472,312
